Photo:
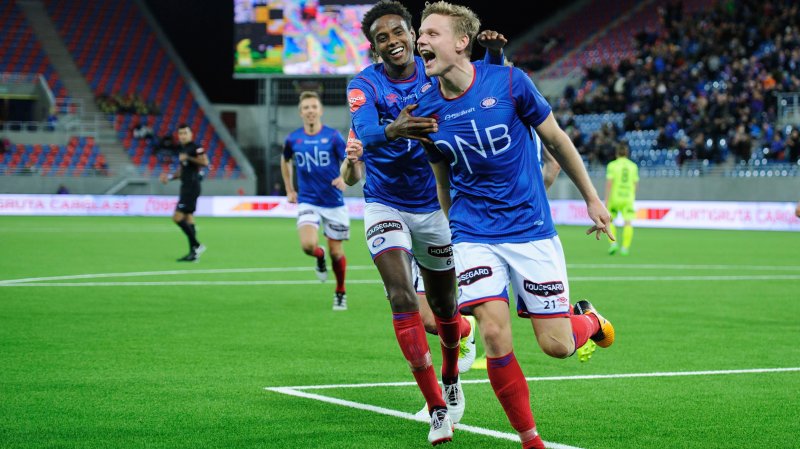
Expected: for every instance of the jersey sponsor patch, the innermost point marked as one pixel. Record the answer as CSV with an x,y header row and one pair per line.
x,y
356,98
544,289
474,275
441,251
384,227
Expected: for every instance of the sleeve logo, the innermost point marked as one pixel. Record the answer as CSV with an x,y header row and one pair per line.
x,y
356,98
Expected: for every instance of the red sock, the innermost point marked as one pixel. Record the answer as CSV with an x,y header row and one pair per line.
x,y
318,252
511,389
411,336
339,267
464,325
449,335
583,327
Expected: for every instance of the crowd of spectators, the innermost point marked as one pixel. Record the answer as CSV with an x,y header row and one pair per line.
x,y
705,82
126,104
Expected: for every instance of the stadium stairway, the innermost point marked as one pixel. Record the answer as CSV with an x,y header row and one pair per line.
x,y
76,85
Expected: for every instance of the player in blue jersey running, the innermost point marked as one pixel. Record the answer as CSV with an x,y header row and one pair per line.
x,y
484,160
402,216
317,151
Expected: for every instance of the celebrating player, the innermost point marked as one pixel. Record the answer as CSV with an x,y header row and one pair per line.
x,y
499,214
402,216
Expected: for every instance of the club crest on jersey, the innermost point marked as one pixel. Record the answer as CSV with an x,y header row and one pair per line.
x,y
356,98
488,102
425,87
325,140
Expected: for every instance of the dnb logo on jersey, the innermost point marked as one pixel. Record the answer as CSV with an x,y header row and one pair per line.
x,y
356,98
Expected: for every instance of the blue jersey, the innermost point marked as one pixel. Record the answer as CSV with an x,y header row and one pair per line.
x,y
317,158
497,190
398,174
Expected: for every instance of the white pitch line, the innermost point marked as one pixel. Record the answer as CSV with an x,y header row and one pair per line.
x,y
371,267
407,416
555,378
298,391
684,267
20,283
179,283
172,272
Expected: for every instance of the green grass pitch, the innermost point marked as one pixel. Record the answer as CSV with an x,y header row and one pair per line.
x,y
107,342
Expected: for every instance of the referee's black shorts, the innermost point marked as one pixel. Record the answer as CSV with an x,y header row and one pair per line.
x,y
187,202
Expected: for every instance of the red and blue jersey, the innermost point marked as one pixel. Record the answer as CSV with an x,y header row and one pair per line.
x,y
398,174
317,159
497,190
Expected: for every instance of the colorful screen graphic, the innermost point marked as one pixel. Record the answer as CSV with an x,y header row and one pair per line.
x,y
300,37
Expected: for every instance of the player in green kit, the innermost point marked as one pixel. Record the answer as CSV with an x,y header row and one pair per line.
x,y
622,180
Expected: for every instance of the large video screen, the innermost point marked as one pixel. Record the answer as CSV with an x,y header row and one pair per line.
x,y
296,37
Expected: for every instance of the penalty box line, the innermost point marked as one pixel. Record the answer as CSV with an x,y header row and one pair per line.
x,y
403,415
299,391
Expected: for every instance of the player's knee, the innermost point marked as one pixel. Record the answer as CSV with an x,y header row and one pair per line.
x,y
443,307
308,248
493,336
402,299
554,346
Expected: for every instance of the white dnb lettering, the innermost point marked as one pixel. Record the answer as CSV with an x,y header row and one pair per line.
x,y
318,159
494,139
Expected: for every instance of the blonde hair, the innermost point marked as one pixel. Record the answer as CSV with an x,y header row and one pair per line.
x,y
306,94
464,20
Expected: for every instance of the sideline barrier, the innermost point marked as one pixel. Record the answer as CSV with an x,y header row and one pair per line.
x,y
766,216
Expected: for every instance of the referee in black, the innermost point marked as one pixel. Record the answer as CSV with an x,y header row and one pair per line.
x,y
193,160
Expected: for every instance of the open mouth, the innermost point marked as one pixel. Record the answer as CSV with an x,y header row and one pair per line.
x,y
395,52
427,55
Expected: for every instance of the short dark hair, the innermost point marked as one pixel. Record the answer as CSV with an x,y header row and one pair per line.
x,y
184,125
384,8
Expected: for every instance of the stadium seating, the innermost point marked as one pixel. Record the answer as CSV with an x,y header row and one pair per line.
x,y
80,157
21,52
118,53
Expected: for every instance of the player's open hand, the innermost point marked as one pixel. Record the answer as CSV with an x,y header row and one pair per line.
x,y
492,40
601,218
291,197
338,182
411,127
164,178
797,210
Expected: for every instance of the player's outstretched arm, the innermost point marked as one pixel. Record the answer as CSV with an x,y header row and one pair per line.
x,y
567,156
411,127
